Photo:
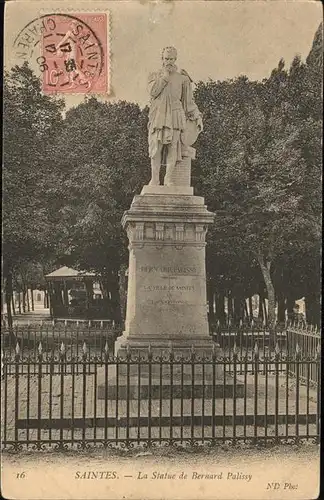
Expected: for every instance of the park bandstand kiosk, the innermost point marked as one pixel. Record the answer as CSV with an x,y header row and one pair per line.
x,y
76,296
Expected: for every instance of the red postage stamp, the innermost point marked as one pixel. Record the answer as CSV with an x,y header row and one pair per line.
x,y
74,53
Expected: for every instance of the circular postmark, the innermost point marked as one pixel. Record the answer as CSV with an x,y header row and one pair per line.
x,y
69,51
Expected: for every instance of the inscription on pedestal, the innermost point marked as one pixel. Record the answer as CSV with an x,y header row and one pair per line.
x,y
167,278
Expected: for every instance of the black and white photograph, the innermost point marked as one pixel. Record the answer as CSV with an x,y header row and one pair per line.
x,y
161,255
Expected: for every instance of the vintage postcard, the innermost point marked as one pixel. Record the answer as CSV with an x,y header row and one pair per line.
x,y
161,318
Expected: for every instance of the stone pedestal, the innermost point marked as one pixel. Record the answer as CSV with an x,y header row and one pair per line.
x,y
166,303
166,298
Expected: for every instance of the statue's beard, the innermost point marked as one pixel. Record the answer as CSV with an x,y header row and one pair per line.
x,y
170,67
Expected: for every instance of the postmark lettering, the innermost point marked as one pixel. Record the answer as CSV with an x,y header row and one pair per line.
x,y
71,51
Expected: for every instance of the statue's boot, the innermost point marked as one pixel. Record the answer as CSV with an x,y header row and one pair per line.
x,y
168,175
155,169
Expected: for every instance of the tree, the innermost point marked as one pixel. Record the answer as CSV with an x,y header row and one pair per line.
x,y
31,120
254,164
102,154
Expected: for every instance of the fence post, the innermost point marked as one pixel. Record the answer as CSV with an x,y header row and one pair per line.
x,y
106,359
171,360
39,393
17,359
277,356
192,427
256,373
318,381
214,394
4,377
128,388
62,359
84,391
149,358
234,390
297,362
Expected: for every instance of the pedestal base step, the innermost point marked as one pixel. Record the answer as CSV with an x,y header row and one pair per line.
x,y
167,391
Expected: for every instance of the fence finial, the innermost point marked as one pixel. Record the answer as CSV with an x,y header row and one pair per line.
x,y
241,323
84,348
128,350
218,323
318,350
252,323
256,349
17,349
106,347
149,352
40,348
235,350
297,350
277,348
62,348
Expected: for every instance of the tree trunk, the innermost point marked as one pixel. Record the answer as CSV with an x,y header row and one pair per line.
x,y
237,309
115,302
281,308
65,295
220,308
210,300
89,297
230,307
123,292
50,300
265,312
24,300
250,308
13,305
290,302
28,302
260,313
46,299
265,268
32,299
313,309
246,311
8,299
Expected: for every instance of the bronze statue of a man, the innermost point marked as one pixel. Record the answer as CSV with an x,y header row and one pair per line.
x,y
171,108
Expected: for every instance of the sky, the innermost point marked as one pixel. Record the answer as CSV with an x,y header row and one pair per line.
x,y
214,39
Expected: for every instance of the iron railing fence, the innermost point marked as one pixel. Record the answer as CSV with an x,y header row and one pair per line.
x,y
160,400
73,336
288,336
29,339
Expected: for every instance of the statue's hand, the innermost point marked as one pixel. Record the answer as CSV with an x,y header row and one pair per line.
x,y
200,124
165,73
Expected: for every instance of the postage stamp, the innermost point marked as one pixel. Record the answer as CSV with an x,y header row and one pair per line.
x,y
71,51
